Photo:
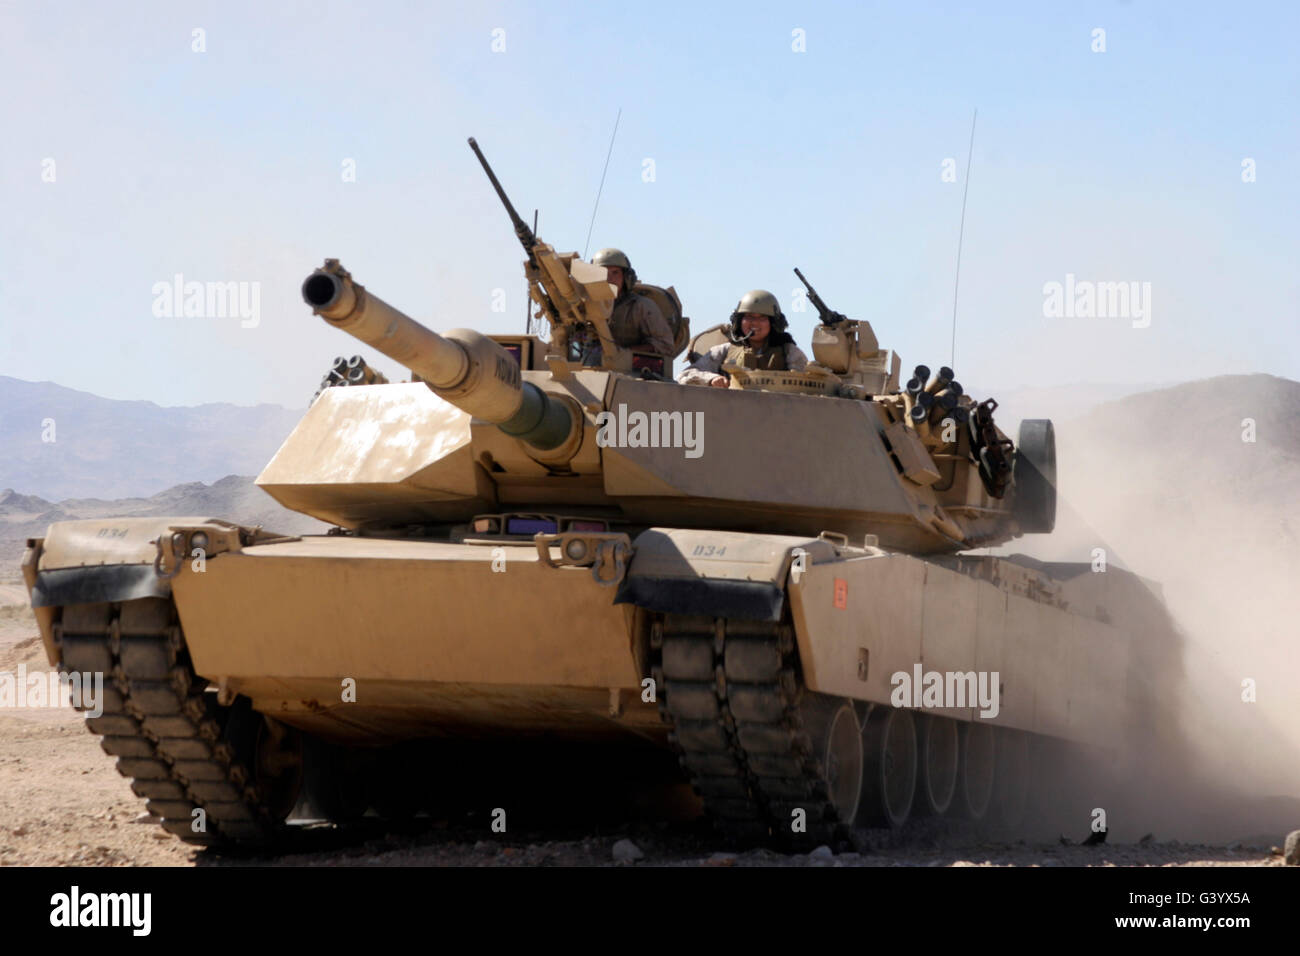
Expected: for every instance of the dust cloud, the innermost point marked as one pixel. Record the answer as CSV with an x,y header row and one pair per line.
x,y
1166,485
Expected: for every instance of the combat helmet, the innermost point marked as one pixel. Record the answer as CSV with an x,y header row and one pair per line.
x,y
616,257
761,302
611,257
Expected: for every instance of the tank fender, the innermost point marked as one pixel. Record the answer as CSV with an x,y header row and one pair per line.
x,y
113,559
718,573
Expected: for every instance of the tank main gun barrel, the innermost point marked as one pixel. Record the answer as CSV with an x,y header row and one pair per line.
x,y
465,368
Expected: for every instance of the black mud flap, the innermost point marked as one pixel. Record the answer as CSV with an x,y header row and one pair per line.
x,y
715,597
112,582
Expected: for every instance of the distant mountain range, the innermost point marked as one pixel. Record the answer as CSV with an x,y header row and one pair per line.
x,y
61,443
1060,403
234,497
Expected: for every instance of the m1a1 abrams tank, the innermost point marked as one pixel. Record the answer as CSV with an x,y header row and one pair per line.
x,y
759,581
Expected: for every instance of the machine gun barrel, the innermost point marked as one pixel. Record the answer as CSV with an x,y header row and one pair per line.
x,y
466,368
525,234
529,241
828,316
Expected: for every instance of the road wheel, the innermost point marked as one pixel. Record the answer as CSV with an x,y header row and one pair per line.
x,y
889,779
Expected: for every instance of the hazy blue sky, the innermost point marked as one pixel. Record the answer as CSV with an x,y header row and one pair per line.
x,y
225,165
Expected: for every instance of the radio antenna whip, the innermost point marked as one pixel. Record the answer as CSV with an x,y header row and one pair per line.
x,y
952,353
602,183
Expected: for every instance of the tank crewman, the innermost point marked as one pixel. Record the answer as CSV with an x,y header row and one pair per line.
x,y
759,340
636,322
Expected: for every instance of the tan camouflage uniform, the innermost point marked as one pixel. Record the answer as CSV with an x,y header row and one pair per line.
x,y
781,354
636,323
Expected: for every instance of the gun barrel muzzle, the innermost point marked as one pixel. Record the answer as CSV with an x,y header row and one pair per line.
x,y
335,298
465,368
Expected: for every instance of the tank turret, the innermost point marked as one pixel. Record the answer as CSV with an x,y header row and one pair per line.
x,y
921,468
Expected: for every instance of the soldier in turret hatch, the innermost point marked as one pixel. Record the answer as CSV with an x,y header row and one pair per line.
x,y
759,341
636,322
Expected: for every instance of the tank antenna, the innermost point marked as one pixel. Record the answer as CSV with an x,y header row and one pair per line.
x,y
952,353
602,183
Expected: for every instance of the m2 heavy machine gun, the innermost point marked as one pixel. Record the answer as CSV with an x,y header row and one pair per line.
x,y
574,296
544,580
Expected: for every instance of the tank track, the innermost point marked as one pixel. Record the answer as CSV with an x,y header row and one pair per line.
x,y
738,718
180,750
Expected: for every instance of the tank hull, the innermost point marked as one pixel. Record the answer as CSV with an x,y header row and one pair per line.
x,y
371,641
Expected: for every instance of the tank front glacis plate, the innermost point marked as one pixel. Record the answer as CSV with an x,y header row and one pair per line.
x,y
422,628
